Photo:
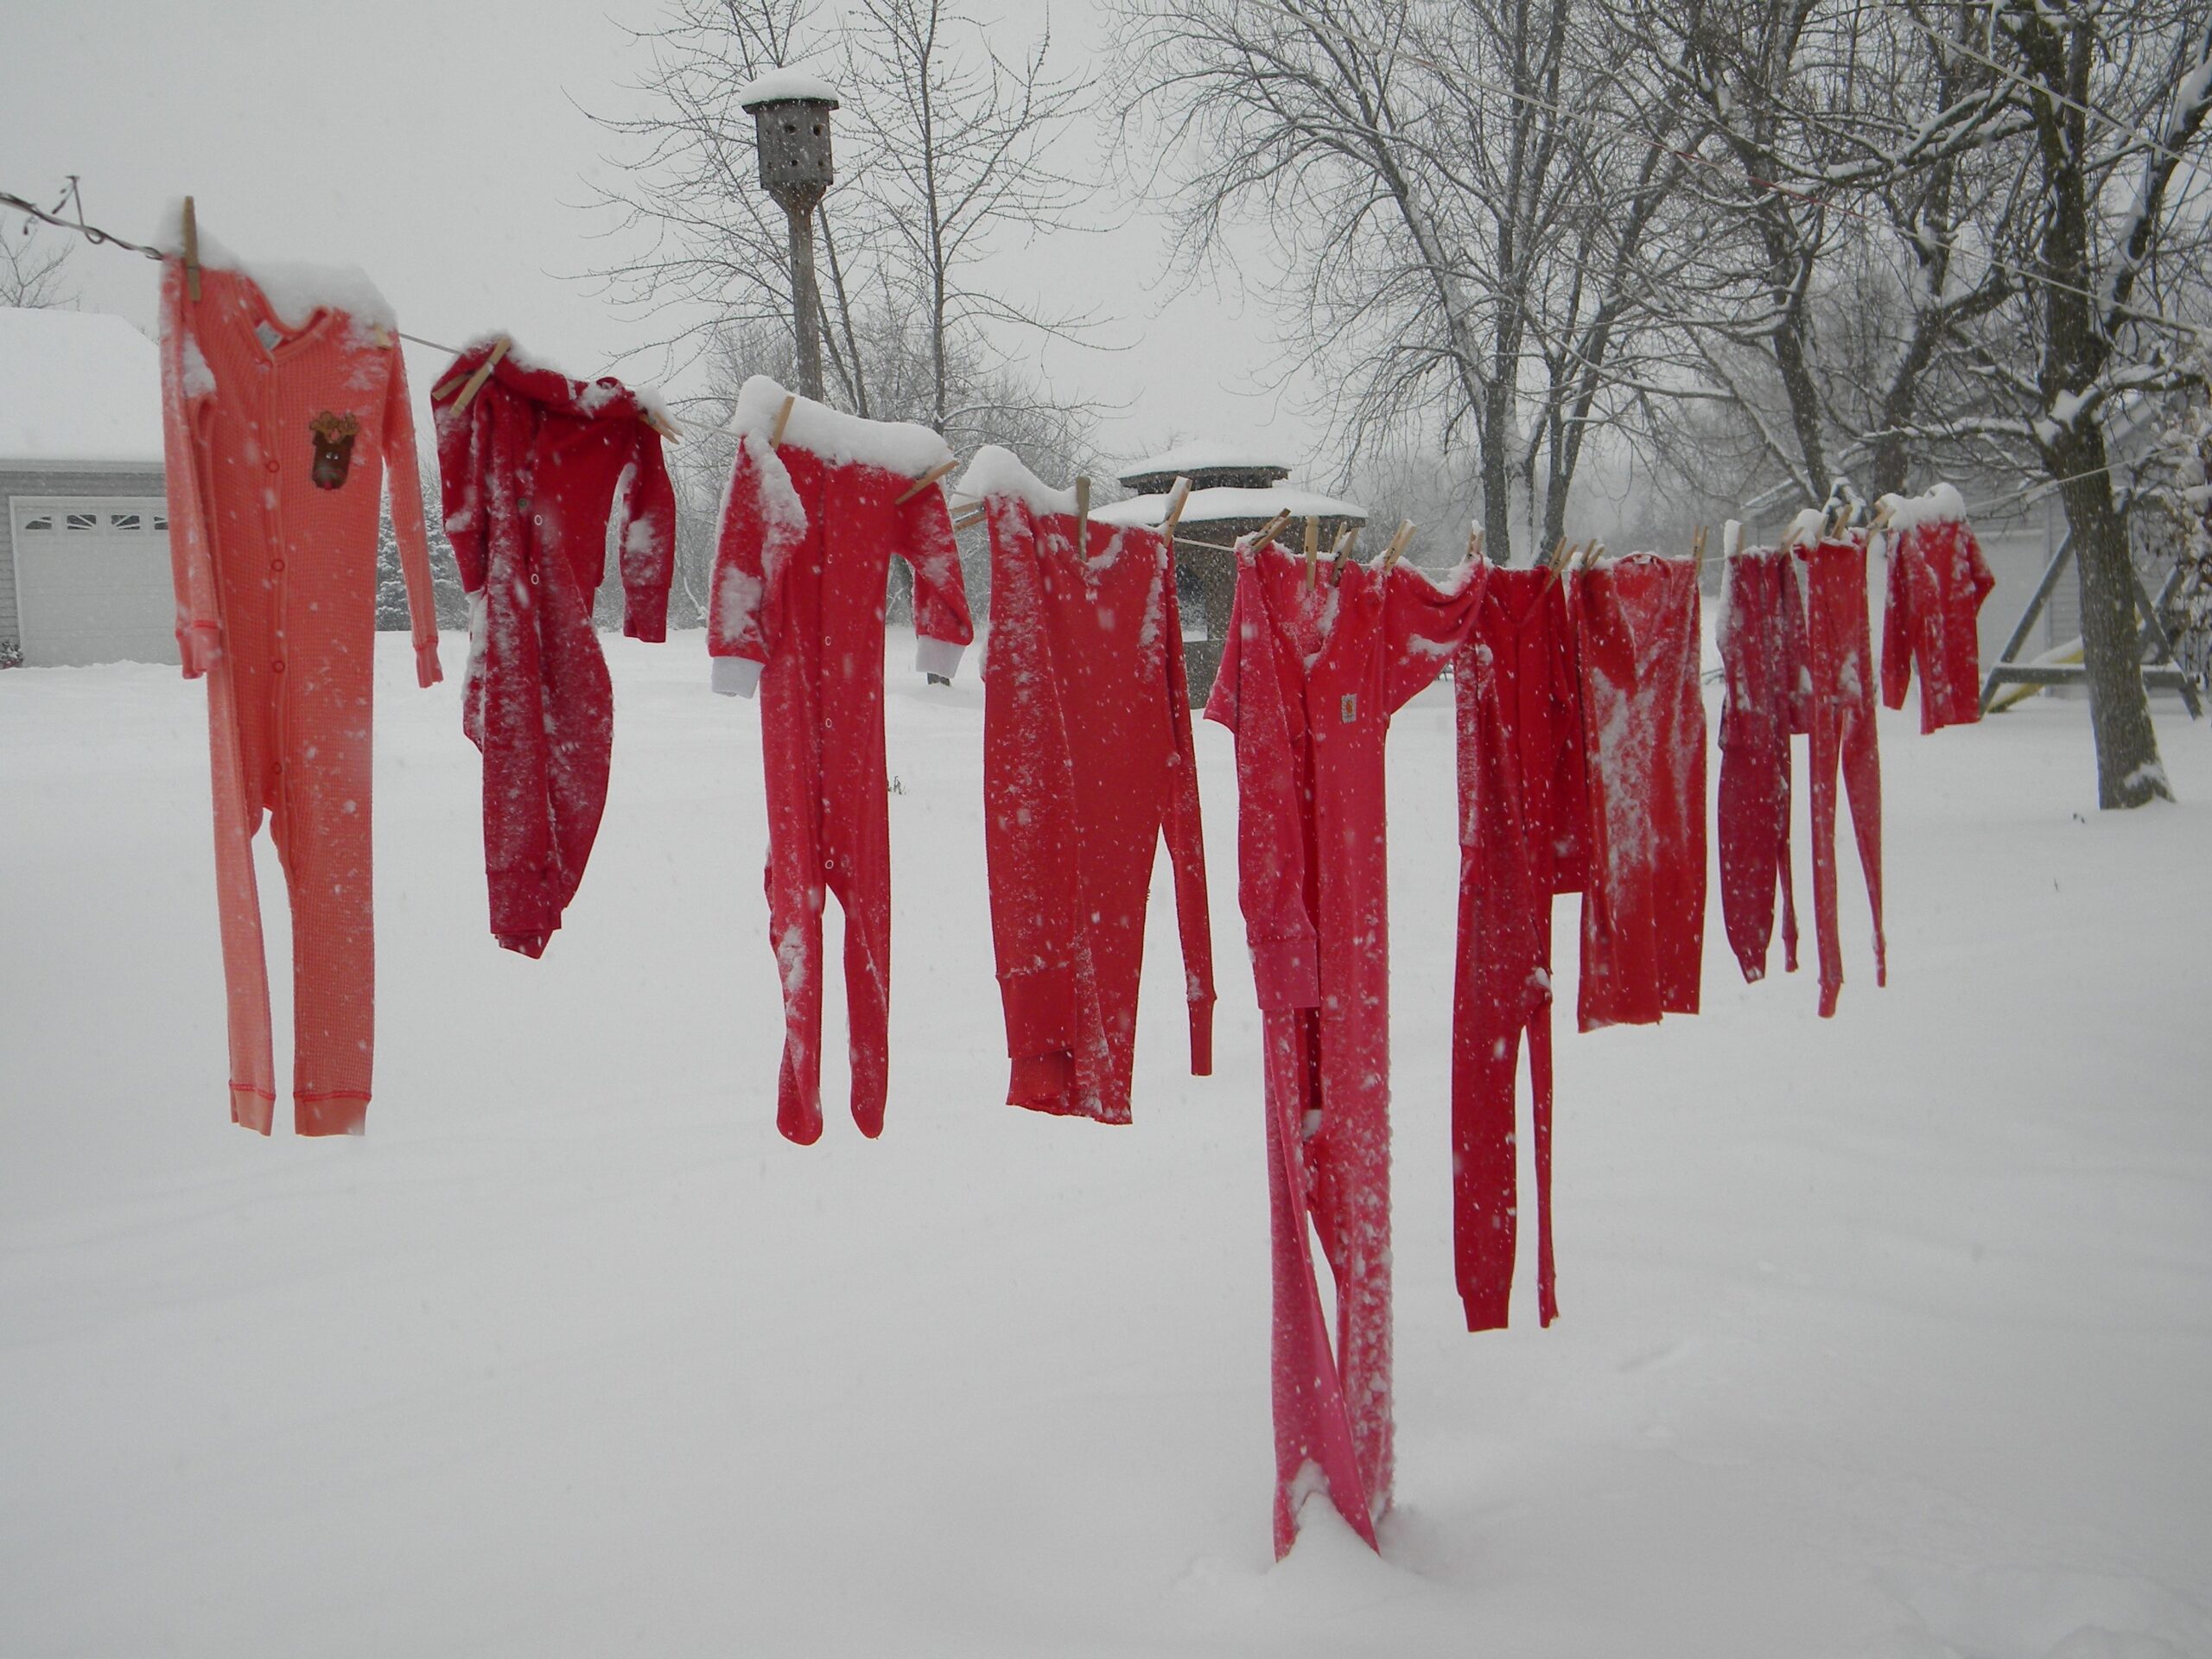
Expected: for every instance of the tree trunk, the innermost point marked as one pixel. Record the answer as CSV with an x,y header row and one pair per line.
x,y
2128,771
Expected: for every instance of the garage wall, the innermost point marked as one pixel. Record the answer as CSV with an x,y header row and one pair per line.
x,y
15,483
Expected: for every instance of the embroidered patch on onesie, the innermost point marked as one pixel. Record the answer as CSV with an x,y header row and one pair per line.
x,y
1349,706
333,447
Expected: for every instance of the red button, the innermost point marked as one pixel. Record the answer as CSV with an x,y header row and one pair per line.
x,y
276,564
272,463
276,667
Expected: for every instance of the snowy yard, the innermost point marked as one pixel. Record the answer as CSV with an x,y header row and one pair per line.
x,y
1888,1335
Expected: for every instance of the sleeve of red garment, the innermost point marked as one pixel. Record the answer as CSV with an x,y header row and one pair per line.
x,y
648,539
1796,651
460,478
1029,790
1186,846
757,529
198,626
1270,858
1977,568
942,628
1897,622
1424,623
403,482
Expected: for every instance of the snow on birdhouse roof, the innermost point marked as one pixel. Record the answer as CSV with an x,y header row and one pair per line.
x,y
1212,506
787,86
77,386
1205,456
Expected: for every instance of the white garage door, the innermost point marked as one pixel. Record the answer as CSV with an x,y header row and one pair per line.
x,y
92,582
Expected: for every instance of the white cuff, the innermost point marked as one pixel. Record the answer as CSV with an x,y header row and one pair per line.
x,y
938,657
737,676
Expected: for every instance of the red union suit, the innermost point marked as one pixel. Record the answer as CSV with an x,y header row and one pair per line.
x,y
530,472
1643,727
1841,657
1938,580
808,529
1308,682
1769,684
280,419
1524,835
1087,759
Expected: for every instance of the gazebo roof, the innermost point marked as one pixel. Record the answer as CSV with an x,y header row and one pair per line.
x,y
1215,506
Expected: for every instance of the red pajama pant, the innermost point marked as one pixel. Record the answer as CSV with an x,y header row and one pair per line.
x,y
1643,723
1503,986
1841,657
1762,639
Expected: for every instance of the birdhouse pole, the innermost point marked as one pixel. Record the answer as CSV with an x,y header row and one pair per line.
x,y
791,116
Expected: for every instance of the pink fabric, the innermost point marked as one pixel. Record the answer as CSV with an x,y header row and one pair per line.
x,y
278,437
1308,683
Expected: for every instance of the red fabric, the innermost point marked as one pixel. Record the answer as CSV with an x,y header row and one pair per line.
x,y
1087,760
276,439
1643,729
1523,837
1843,659
1502,987
1938,580
1768,698
1308,683
532,472
804,554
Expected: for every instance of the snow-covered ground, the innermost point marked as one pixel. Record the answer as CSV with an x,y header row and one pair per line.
x,y
1888,1335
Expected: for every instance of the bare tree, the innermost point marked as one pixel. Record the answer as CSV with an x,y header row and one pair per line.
x,y
1430,178
33,273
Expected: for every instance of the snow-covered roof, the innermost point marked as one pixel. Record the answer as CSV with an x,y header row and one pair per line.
x,y
78,385
786,86
1211,507
1205,456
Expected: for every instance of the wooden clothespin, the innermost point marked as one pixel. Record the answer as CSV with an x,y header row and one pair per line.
x,y
1697,550
1474,544
1550,560
1272,529
1347,539
969,520
1178,496
1313,553
483,373
191,249
1392,553
783,420
924,481
1082,517
661,423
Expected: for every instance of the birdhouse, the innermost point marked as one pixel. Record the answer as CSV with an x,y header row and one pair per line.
x,y
791,118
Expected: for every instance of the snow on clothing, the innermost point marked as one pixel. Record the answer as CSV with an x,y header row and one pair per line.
x,y
1087,760
1938,580
278,431
532,472
807,532
1841,657
1763,657
1308,683
1523,837
1637,637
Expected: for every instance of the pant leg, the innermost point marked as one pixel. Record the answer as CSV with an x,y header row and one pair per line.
x,y
321,828
1350,1158
1313,1432
861,880
237,904
1784,805
1862,777
1824,751
1747,851
1486,1052
1540,1087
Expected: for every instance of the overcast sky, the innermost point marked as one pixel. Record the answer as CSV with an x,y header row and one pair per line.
x,y
442,145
